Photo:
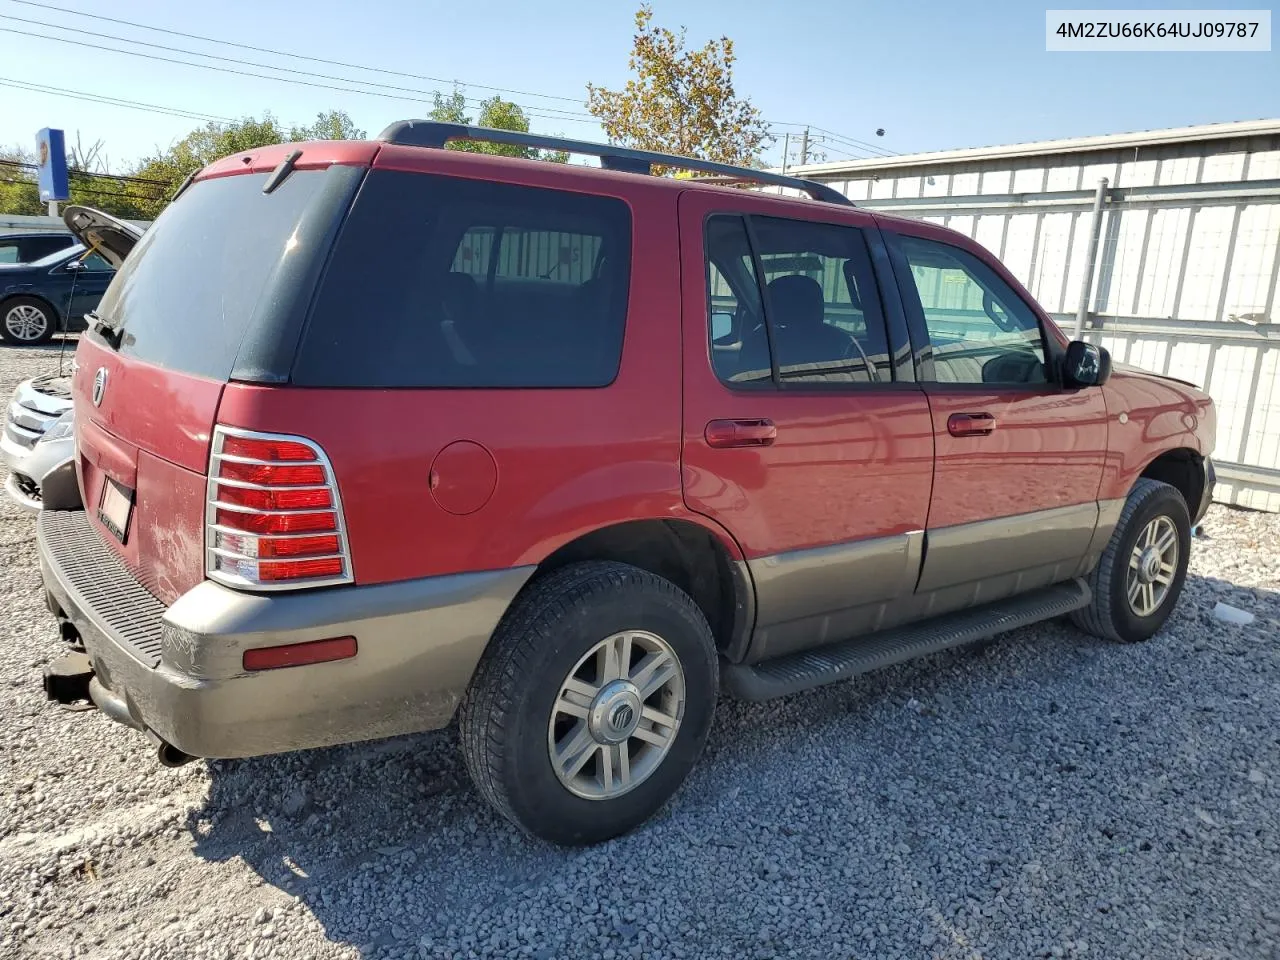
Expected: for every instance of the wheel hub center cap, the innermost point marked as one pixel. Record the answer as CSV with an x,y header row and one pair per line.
x,y
615,712
1149,564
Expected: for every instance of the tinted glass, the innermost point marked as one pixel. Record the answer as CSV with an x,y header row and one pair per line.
x,y
53,259
191,288
8,253
823,307
94,262
980,330
474,284
739,344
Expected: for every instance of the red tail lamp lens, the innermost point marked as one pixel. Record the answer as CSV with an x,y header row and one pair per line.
x,y
296,547
258,449
284,499
271,475
269,523
275,570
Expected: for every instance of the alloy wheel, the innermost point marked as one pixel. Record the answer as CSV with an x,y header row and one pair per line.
x,y
25,322
1153,563
617,715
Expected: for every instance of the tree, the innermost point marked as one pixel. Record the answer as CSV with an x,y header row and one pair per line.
x,y
496,113
680,101
19,195
213,141
329,125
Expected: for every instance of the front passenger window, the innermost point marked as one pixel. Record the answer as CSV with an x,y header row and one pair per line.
x,y
980,330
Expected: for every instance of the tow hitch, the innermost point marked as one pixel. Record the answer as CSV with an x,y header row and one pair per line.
x,y
66,681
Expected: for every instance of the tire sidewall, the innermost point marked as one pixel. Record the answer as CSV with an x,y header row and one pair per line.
x,y
1131,627
533,789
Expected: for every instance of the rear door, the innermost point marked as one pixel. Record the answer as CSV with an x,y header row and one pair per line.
x,y
801,437
1018,458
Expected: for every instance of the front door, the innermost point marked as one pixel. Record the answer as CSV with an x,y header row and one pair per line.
x,y
1018,458
90,283
800,436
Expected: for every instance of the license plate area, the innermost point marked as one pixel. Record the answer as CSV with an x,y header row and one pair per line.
x,y
115,507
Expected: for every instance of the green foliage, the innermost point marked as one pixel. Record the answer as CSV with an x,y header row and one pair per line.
x,y
496,113
680,101
329,125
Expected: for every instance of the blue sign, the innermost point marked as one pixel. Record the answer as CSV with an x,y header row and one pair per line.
x,y
51,158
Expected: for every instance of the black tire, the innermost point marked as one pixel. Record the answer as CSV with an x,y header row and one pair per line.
x,y
1110,614
552,625
27,304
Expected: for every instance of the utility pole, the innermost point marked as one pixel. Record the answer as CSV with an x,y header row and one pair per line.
x,y
786,150
1091,260
804,147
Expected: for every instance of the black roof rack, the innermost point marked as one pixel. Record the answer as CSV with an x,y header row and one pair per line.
x,y
431,133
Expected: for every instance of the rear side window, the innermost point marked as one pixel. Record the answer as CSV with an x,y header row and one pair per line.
x,y
445,282
821,323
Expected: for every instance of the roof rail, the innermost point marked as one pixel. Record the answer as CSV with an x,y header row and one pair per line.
x,y
431,133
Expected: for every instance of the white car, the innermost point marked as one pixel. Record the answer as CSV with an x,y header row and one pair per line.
x,y
39,445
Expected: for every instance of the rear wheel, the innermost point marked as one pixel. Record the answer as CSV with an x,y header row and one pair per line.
x,y
592,703
26,320
1139,578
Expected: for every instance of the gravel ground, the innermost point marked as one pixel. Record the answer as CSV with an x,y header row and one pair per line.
x,y
1048,795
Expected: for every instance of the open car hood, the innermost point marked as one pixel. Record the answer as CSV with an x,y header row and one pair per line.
x,y
99,231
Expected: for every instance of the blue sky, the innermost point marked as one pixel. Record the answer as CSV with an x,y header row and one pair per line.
x,y
933,75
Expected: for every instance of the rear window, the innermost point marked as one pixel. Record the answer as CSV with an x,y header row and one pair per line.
x,y
446,282
190,290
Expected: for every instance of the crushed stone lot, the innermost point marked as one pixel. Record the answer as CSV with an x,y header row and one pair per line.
x,y
1049,794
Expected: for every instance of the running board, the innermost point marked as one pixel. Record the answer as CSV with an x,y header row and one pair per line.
x,y
840,661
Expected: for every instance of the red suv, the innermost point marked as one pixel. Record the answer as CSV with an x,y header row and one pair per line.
x,y
372,435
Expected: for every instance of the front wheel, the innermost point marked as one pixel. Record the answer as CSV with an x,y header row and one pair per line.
x,y
592,702
26,320
1139,578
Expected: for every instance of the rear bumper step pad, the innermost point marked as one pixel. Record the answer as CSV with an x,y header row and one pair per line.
x,y
813,668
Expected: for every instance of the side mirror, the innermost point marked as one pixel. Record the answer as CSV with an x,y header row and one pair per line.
x,y
73,266
1086,365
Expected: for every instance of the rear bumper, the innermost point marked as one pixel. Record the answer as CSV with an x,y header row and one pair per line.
x,y
178,673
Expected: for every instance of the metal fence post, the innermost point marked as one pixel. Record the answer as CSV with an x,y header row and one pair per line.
x,y
1091,260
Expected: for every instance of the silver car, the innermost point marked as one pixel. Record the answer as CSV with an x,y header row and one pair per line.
x,y
39,445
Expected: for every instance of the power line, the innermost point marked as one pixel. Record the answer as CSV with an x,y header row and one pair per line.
x,y
296,56
109,101
246,63
260,76
561,114
89,173
841,138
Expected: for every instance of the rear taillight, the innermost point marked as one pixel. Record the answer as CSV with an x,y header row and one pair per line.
x,y
273,517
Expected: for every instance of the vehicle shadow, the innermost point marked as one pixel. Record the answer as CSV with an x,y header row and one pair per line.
x,y
389,847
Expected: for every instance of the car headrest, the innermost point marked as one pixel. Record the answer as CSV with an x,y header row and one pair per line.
x,y
796,301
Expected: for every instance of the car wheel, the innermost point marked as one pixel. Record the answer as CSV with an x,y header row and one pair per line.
x,y
26,320
1139,578
592,702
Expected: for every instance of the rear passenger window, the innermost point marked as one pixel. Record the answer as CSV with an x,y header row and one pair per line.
x,y
439,282
822,310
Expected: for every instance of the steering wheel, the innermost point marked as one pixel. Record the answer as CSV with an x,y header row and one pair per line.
x,y
871,370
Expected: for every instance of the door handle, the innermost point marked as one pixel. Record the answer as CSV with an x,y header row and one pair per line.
x,y
740,433
970,424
